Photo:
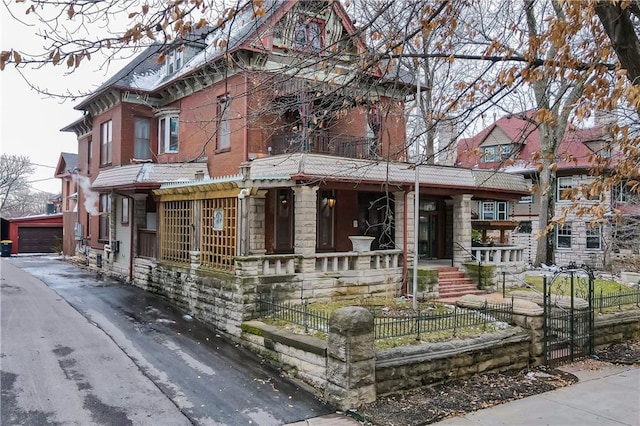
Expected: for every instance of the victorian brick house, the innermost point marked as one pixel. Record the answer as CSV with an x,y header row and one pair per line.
x,y
512,144
254,158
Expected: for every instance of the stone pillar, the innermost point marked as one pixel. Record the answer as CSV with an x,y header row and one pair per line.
x,y
530,317
351,365
305,225
461,228
411,245
257,223
399,219
194,254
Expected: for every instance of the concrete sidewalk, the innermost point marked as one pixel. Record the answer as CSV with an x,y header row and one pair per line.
x,y
605,395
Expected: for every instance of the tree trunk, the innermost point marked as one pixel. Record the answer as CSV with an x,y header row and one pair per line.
x,y
620,29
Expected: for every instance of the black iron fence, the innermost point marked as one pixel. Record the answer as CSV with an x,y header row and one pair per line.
x,y
617,299
299,314
393,323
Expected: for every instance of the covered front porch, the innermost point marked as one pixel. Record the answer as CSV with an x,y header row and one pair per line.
x,y
290,222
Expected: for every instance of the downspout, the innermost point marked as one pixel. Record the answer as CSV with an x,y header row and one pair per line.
x,y
245,154
132,224
404,248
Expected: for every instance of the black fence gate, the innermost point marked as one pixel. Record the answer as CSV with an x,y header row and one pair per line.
x,y
568,314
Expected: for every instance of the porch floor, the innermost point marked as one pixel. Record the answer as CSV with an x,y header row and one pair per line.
x,y
433,263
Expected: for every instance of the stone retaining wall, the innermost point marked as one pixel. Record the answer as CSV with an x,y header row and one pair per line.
x,y
411,367
303,358
313,361
616,327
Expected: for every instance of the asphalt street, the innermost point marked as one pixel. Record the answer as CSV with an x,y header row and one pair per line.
x,y
79,349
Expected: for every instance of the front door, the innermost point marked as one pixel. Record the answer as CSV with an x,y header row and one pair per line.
x,y
428,230
283,221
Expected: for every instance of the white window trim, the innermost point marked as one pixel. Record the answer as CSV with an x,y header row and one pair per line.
x,y
502,210
494,154
589,228
224,124
569,235
560,188
484,210
164,132
173,61
106,142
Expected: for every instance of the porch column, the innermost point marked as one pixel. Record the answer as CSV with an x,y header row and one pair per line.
x,y
305,226
398,238
194,254
411,244
256,222
461,228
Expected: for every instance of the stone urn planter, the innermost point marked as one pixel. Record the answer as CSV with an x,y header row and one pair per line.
x,y
361,243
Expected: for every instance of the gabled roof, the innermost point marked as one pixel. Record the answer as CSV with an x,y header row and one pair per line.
x,y
146,175
67,163
244,30
573,153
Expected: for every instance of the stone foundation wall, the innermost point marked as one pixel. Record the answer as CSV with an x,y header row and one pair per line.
x,y
350,285
219,299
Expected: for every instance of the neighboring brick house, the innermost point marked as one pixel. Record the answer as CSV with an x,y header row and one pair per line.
x,y
245,168
66,168
512,144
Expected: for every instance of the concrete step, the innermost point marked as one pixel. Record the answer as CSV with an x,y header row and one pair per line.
x,y
450,274
455,281
459,293
458,287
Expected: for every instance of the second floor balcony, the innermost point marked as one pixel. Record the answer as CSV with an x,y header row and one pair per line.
x,y
322,142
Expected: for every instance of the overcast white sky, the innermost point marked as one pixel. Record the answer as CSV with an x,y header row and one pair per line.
x,y
30,122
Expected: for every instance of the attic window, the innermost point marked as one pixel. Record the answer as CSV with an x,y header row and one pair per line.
x,y
307,35
173,60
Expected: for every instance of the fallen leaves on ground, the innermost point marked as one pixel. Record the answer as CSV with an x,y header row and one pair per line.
x,y
437,402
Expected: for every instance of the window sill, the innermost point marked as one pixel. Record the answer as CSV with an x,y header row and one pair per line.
x,y
222,150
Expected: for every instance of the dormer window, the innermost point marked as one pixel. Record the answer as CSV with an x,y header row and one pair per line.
x,y
307,35
173,61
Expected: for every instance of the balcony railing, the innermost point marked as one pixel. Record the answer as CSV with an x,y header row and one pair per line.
x,y
325,143
499,255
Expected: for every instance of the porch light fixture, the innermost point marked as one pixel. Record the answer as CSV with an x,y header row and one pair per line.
x,y
331,202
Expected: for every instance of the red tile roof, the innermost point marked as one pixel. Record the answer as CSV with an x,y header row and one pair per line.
x,y
572,153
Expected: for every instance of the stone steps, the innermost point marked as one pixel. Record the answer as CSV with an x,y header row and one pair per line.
x,y
453,283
